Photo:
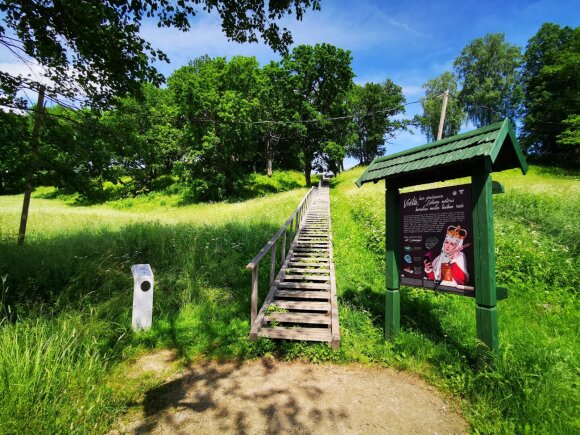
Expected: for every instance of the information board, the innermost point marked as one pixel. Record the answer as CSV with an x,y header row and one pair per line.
x,y
436,240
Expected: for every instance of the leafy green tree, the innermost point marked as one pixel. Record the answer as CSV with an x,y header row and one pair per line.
x,y
217,100
373,107
143,137
332,155
488,68
320,77
275,134
432,103
551,78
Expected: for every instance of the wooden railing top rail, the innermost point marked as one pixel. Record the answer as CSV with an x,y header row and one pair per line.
x,y
276,236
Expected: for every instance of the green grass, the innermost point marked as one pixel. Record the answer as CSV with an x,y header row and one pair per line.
x,y
533,386
66,297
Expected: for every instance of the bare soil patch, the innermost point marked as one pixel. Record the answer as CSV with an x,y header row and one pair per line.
x,y
269,396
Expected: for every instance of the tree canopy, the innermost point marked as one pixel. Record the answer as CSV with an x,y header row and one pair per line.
x,y
488,68
551,80
373,107
94,49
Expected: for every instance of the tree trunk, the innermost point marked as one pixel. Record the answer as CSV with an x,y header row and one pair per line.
x,y
268,157
307,170
33,163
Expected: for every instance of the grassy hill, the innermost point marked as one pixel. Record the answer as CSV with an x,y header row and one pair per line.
x,y
66,297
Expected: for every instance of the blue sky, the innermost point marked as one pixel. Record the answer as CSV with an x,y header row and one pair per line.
x,y
406,41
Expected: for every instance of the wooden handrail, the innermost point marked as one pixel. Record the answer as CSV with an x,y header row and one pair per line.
x,y
276,236
298,213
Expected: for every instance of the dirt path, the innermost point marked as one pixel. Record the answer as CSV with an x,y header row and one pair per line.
x,y
269,396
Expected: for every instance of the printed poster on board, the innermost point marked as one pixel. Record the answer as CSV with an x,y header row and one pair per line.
x,y
437,240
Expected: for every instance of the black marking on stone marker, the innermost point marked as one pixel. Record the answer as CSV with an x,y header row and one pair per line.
x,y
145,286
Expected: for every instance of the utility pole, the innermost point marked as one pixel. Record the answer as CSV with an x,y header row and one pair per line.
x,y
39,109
442,118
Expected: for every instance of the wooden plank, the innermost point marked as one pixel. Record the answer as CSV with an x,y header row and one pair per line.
x,y
323,256
304,285
309,334
310,242
307,270
307,278
313,264
298,305
311,259
308,318
303,294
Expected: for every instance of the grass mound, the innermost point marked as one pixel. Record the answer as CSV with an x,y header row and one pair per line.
x,y
66,301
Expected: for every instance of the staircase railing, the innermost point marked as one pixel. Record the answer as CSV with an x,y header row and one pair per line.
x,y
291,226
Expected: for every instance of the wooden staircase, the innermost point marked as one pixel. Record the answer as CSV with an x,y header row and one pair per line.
x,y
301,303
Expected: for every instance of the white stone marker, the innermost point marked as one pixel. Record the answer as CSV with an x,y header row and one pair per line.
x,y
142,296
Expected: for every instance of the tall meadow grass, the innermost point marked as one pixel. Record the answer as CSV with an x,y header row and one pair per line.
x,y
66,302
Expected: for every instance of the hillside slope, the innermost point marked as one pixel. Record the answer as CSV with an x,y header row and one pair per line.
x,y
537,245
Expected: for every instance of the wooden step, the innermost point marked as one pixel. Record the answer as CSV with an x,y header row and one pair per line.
x,y
307,318
303,294
306,270
304,285
304,306
306,278
320,264
310,334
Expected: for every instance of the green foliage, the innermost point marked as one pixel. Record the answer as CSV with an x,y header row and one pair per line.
x,y
551,83
14,151
373,106
432,103
571,136
52,375
217,154
488,69
320,79
101,43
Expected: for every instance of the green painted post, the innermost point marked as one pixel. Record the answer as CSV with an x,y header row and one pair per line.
x,y
484,256
392,297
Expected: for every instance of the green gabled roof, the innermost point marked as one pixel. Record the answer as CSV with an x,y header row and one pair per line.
x,y
453,157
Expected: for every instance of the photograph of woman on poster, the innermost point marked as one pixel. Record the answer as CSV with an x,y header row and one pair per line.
x,y
450,267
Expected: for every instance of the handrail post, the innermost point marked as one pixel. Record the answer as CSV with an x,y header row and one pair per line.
x,y
254,309
273,263
283,256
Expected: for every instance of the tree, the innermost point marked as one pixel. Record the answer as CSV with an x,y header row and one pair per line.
x,y
276,136
142,137
551,78
320,78
432,103
488,68
372,107
217,100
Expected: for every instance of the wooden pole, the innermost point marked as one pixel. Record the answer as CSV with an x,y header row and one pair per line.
x,y
392,297
442,118
254,304
484,248
273,264
33,161
283,255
